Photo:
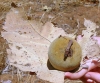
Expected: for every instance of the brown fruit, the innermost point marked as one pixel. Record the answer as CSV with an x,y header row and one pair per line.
x,y
57,52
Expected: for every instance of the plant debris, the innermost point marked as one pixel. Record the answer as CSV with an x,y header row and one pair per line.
x,y
68,50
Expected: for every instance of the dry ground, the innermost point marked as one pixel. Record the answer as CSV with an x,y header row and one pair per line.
x,y
62,14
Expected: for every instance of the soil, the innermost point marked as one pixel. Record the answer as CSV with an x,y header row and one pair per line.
x,y
61,13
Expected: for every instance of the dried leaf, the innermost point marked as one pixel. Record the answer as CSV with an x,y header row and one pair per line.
x,y
28,45
90,46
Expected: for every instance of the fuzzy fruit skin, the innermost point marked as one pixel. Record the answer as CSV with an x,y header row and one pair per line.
x,y
56,54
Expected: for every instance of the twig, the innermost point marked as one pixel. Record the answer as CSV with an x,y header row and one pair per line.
x,y
68,51
42,16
